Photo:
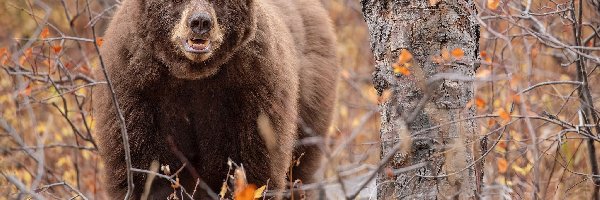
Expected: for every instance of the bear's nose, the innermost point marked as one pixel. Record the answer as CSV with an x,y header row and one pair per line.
x,y
200,23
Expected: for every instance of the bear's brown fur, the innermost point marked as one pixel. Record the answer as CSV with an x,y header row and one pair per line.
x,y
268,57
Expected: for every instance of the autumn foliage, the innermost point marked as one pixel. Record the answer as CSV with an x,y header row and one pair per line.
x,y
530,118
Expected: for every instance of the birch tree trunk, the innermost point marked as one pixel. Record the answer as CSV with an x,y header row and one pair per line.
x,y
433,89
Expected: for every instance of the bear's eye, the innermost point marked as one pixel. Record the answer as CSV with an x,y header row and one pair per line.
x,y
177,1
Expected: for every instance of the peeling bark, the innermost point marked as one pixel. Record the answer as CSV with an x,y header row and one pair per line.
x,y
425,28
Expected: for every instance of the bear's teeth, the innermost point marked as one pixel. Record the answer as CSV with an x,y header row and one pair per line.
x,y
198,44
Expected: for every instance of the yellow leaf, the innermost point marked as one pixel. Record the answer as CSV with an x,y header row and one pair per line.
x,y
259,192
493,4
401,69
522,170
502,165
458,53
223,190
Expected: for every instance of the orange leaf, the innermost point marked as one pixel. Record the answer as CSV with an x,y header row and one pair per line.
x,y
56,49
26,55
404,57
44,34
479,102
501,147
502,165
516,98
99,41
493,4
84,69
458,53
483,54
3,51
26,91
491,122
28,52
401,69
503,114
246,193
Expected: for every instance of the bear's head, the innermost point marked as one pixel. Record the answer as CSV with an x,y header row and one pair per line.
x,y
194,38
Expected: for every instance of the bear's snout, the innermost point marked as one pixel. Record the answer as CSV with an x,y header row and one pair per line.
x,y
200,23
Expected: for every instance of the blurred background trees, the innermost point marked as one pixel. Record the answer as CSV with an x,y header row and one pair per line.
x,y
533,107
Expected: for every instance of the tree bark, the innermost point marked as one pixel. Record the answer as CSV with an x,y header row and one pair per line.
x,y
428,30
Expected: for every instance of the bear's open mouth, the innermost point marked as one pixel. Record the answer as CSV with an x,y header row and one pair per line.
x,y
197,45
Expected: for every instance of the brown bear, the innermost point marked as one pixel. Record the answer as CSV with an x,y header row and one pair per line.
x,y
201,72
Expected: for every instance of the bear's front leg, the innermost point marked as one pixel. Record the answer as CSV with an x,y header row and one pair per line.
x,y
267,154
